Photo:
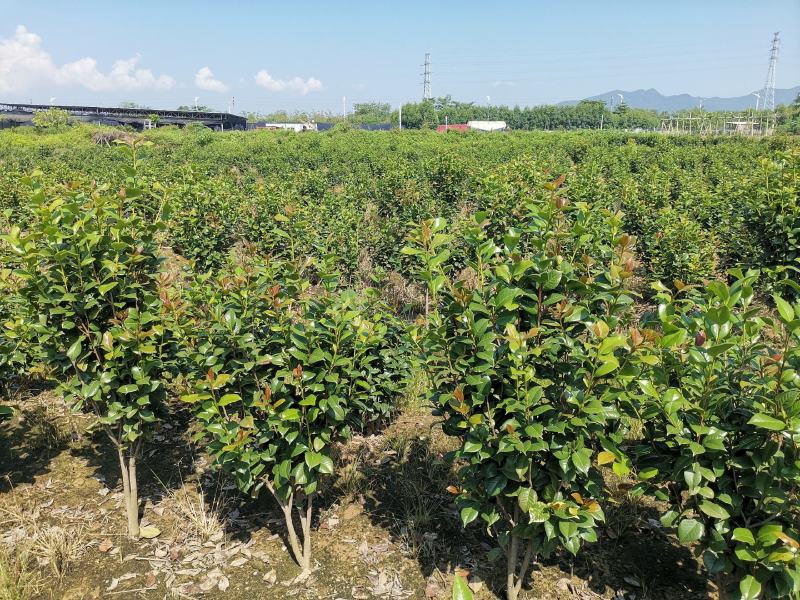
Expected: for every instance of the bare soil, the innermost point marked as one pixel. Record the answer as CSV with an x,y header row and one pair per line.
x,y
387,528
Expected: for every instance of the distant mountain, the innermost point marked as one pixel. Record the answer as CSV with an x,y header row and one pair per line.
x,y
653,99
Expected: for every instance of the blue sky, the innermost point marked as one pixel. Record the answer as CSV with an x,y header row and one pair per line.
x,y
309,54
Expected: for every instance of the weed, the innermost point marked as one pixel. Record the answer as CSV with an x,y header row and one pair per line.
x,y
352,481
58,547
18,581
49,427
201,519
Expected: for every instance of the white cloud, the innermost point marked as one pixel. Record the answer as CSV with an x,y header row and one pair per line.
x,y
503,84
24,64
204,79
295,84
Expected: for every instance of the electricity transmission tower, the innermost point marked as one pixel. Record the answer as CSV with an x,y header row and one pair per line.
x,y
426,81
768,94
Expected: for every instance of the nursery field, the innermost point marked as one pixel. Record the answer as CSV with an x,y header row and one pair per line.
x,y
398,365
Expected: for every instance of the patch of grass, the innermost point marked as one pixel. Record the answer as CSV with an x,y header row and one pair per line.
x,y
415,394
201,518
418,505
625,512
18,581
58,547
420,511
49,429
351,479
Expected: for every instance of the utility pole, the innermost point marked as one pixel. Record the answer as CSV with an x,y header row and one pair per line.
x,y
426,81
768,95
344,107
400,116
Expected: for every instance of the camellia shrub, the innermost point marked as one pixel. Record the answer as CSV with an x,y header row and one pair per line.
x,y
89,269
14,346
51,119
530,351
281,374
721,441
680,250
776,217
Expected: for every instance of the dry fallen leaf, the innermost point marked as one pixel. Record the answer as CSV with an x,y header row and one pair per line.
x,y
105,545
149,532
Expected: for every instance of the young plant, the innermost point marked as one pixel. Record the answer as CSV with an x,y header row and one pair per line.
x,y
89,269
529,355
721,415
14,346
281,377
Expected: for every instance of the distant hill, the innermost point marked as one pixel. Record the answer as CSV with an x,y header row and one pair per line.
x,y
653,99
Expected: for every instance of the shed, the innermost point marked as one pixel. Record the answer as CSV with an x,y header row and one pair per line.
x,y
453,127
487,125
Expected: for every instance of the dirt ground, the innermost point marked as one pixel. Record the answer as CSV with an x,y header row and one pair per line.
x,y
387,528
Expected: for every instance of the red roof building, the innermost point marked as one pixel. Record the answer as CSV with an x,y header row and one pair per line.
x,y
454,127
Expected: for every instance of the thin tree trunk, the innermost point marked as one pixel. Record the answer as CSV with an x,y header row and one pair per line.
x,y
511,568
306,523
134,493
292,534
131,510
301,549
523,568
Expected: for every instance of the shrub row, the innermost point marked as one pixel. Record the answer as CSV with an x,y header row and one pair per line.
x,y
540,363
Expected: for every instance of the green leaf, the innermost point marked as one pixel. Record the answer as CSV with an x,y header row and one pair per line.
x,y
784,308
568,528
673,339
313,459
581,460
712,509
767,422
690,530
74,350
107,287
229,399
740,534
461,590
610,364
768,534
468,515
526,498
326,465
470,447
750,588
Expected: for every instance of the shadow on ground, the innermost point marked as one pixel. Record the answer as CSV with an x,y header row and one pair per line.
x,y
406,481
166,458
39,430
